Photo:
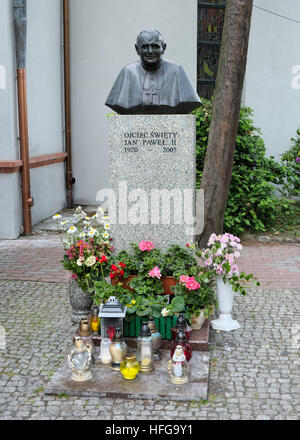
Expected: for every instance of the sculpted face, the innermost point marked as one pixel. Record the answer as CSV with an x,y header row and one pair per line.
x,y
150,47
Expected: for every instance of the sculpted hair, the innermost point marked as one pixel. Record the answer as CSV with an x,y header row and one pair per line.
x,y
139,38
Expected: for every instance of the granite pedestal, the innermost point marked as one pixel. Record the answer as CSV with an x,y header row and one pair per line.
x,y
152,179
156,385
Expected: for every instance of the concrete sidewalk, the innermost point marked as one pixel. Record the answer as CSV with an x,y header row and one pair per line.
x,y
254,371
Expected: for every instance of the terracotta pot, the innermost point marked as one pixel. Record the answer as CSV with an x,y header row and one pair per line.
x,y
125,282
168,282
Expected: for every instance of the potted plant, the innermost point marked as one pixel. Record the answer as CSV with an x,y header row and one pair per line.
x,y
150,276
220,257
147,261
87,248
194,295
143,301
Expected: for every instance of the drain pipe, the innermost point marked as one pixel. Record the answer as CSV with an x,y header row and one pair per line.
x,y
69,178
20,26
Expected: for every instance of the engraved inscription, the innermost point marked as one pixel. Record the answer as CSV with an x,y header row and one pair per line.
x,y
165,139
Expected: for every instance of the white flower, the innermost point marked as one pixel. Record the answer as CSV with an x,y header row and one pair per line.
x,y
90,261
56,216
92,232
87,217
105,235
82,234
79,262
72,230
165,312
86,222
106,225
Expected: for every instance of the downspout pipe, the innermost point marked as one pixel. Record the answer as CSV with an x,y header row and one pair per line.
x,y
69,178
20,27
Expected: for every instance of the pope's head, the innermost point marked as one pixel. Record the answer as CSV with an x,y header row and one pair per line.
x,y
150,46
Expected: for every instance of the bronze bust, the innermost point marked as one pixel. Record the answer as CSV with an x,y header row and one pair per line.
x,y
152,85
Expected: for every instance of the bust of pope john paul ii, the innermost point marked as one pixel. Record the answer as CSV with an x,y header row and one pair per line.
x,y
152,85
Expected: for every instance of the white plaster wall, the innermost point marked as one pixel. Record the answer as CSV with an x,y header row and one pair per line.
x,y
45,109
268,87
103,34
10,204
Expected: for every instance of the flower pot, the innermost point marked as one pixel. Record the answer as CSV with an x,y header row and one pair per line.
x,y
225,296
81,302
168,282
198,321
125,282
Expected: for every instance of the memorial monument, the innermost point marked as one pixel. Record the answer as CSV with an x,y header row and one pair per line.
x,y
152,149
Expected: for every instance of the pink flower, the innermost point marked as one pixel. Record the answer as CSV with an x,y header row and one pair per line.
x,y
192,284
235,269
208,262
183,279
212,239
146,246
74,276
219,269
155,272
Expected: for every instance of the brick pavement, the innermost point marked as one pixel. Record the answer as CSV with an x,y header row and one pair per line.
x,y
38,259
254,371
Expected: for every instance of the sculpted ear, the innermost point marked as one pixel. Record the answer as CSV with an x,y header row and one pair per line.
x,y
164,47
137,49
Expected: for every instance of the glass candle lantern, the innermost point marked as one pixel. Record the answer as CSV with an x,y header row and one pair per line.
x,y
85,333
177,367
129,367
112,314
181,339
95,321
118,349
105,355
144,352
156,339
181,324
80,361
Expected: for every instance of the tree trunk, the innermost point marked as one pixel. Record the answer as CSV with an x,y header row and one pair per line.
x,y
226,110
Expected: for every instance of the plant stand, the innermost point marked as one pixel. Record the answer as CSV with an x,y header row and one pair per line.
x,y
81,302
225,296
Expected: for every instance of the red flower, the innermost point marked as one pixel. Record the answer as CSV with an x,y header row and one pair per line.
x,y
122,264
114,267
103,259
187,245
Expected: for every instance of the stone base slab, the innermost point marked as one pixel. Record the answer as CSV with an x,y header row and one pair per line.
x,y
156,385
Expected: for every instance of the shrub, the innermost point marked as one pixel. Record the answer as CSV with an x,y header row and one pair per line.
x,y
252,203
291,158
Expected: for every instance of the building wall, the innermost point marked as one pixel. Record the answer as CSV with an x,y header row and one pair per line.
x,y
103,35
45,112
268,89
45,104
10,211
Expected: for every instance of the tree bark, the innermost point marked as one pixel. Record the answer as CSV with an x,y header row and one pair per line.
x,y
225,116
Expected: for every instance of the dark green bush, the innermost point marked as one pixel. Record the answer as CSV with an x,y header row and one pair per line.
x,y
252,201
291,158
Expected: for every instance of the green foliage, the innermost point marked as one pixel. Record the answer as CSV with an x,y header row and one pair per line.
x,y
252,202
291,159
